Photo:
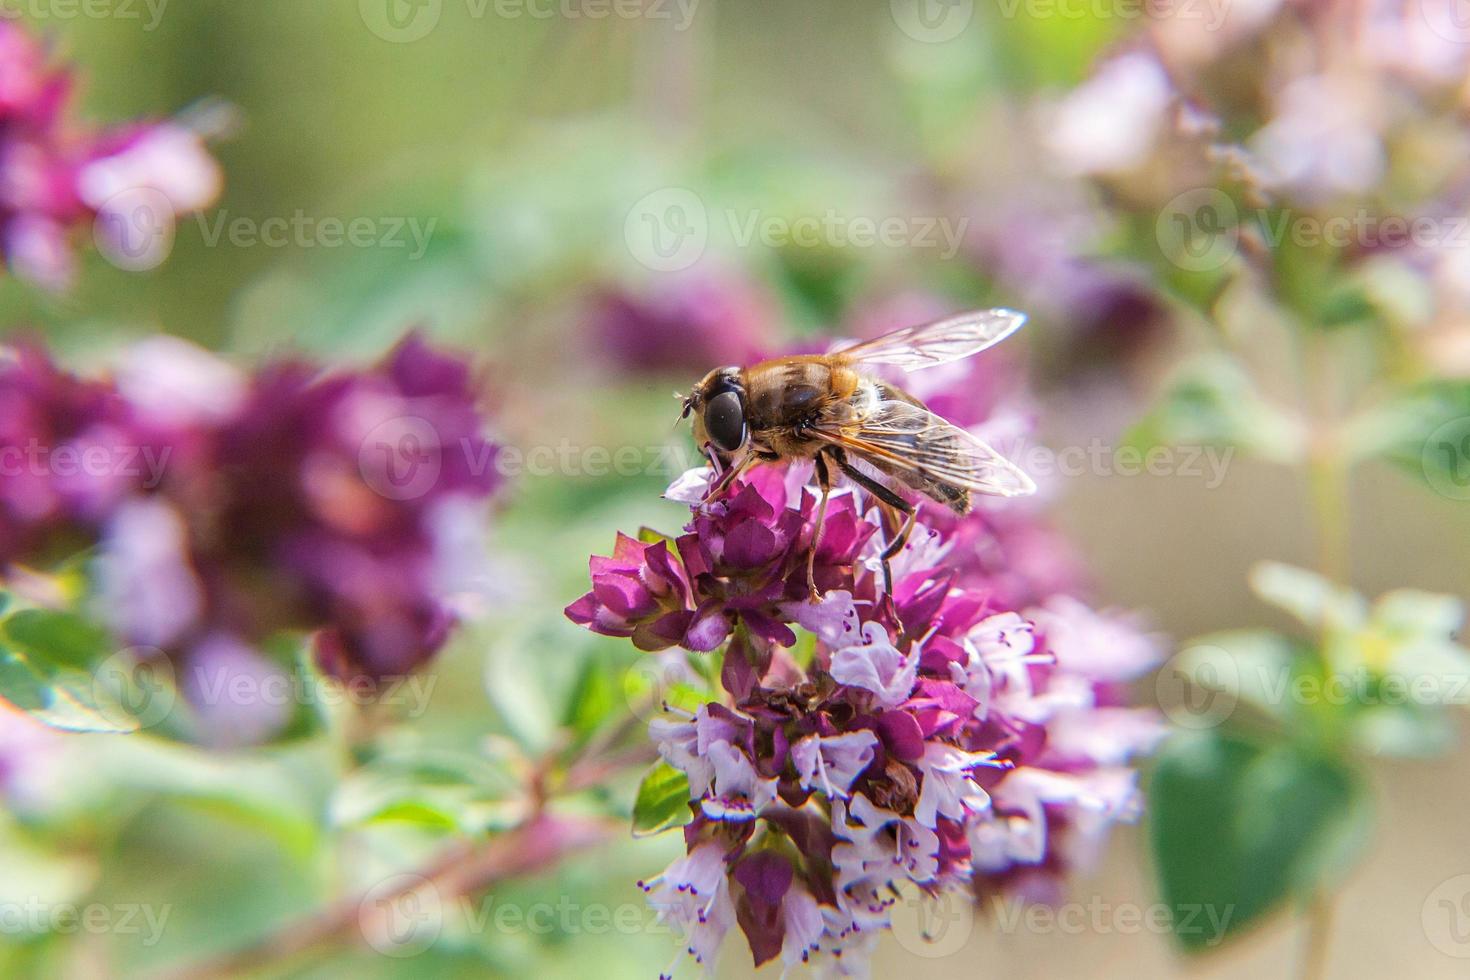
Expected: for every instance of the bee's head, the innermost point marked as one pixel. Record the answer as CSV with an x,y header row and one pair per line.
x,y
718,406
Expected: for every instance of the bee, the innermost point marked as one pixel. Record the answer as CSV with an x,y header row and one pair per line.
x,y
831,409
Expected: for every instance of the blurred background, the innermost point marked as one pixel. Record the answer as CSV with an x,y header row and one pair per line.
x,y
600,202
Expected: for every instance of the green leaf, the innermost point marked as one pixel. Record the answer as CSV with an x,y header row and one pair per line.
x,y
648,535
1212,402
435,790
594,699
1405,731
1238,827
1314,600
62,638
1251,666
67,699
1427,433
663,801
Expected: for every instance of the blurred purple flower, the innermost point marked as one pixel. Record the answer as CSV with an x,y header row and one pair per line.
x,y
314,506
235,506
57,176
32,756
692,321
51,425
1111,121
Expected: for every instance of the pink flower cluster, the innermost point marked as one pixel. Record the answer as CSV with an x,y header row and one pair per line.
x,y
130,183
945,739
227,507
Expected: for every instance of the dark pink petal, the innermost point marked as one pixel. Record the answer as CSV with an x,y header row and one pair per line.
x,y
768,629
583,610
738,675
662,633
708,628
624,596
750,545
901,735
765,876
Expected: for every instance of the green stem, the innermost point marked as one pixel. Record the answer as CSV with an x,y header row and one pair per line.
x,y
1327,478
1319,932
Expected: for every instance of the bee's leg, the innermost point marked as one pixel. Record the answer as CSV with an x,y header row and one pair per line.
x,y
824,479
723,480
892,499
896,545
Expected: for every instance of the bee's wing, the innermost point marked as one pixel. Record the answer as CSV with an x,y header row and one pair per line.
x,y
907,436
939,342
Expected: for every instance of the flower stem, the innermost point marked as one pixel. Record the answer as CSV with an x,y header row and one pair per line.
x,y
1319,929
1327,478
540,842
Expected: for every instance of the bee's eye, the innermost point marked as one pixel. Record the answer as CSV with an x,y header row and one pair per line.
x,y
724,420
